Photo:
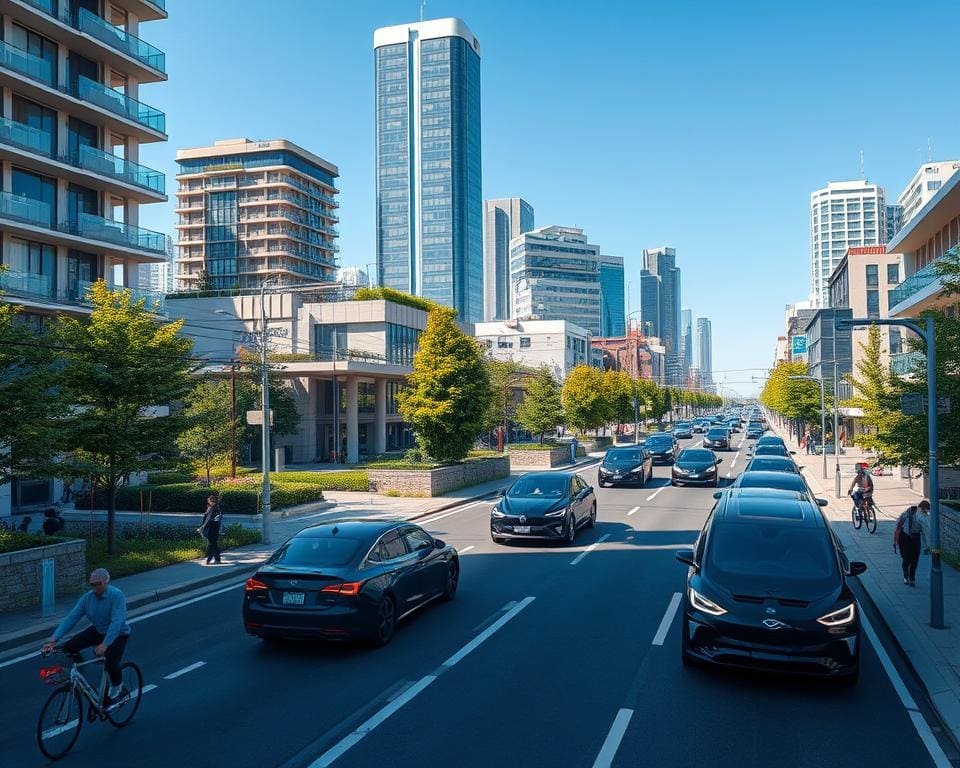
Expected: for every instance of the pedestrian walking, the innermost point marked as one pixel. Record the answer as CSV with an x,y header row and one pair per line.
x,y
210,527
911,536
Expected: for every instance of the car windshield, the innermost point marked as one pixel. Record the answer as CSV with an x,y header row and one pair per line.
x,y
692,454
744,556
539,486
785,480
713,433
316,552
773,463
663,440
770,450
624,456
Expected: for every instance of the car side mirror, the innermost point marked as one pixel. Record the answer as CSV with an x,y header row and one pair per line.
x,y
719,460
717,494
503,492
856,568
686,556
793,453
822,502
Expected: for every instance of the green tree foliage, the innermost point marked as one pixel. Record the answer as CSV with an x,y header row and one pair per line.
x,y
286,417
618,391
116,366
874,395
209,434
449,389
791,398
583,399
504,376
652,397
204,282
395,296
542,407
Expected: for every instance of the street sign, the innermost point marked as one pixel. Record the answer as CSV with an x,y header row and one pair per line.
x,y
799,345
255,418
913,404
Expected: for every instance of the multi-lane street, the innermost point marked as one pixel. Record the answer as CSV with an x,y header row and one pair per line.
x,y
548,656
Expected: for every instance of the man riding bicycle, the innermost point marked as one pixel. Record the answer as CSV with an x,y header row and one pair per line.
x,y
864,485
105,607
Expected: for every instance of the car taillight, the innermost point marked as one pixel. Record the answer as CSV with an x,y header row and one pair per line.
x,y
351,588
255,585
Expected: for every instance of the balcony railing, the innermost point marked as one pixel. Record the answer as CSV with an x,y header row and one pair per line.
x,y
905,363
917,281
98,228
47,6
106,164
27,64
121,104
27,283
25,209
120,39
26,137
152,300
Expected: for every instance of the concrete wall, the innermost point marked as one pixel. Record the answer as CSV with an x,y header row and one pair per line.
x,y
950,529
435,482
532,458
20,573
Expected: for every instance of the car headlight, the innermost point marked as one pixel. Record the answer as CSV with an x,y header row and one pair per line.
x,y
496,512
839,617
558,513
701,603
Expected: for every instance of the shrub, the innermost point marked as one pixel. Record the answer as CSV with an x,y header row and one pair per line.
x,y
294,494
12,541
170,478
348,480
395,296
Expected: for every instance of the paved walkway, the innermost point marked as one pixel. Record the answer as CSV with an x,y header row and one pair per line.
x,y
934,653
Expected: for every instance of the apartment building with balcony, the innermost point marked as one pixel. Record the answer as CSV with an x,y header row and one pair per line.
x,y
249,209
72,122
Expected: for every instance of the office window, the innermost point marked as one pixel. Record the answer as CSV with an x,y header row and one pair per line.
x,y
524,342
896,342
873,303
330,339
893,274
873,278
933,185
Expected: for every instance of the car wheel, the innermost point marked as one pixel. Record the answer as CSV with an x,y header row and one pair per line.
x,y
593,517
571,530
386,621
453,580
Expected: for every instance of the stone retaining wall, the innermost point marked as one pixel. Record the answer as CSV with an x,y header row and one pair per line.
x,y
436,482
950,529
20,573
555,457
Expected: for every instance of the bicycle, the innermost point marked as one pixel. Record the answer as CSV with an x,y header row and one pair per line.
x,y
864,513
62,714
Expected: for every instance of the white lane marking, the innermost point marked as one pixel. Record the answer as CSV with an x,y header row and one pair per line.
x,y
190,668
453,512
146,689
635,509
698,444
923,728
18,659
590,549
334,511
49,733
612,743
466,549
483,636
667,619
653,495
733,463
351,739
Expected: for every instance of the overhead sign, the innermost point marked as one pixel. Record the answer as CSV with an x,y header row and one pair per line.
x,y
256,418
799,345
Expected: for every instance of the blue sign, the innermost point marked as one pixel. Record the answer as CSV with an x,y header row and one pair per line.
x,y
799,345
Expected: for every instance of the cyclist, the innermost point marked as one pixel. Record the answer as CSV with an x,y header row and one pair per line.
x,y
105,607
864,485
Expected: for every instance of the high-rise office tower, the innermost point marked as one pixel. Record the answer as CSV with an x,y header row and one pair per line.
x,y
353,277
649,303
843,214
429,200
249,209
662,262
612,297
503,220
894,221
704,348
555,275
686,337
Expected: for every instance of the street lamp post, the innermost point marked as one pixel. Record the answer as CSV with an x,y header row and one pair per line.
x,y
265,403
929,337
823,419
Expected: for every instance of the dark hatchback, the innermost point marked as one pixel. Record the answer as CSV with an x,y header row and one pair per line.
x,y
348,579
663,448
544,505
754,431
717,439
771,440
772,464
771,450
630,465
695,466
767,589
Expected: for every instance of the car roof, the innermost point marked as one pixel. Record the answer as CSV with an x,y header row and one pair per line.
x,y
350,529
751,505
771,440
563,473
760,478
784,459
659,436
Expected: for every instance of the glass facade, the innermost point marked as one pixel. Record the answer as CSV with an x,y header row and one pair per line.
x,y
429,205
612,312
402,344
220,261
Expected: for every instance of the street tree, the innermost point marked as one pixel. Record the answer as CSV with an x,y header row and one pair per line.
x,y
504,376
874,396
584,402
209,433
116,367
286,417
618,391
448,392
792,398
542,407
653,398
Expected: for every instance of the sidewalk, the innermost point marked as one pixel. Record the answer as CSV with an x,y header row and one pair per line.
x,y
27,625
933,653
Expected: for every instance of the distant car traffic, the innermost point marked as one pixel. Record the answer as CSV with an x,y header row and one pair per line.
x,y
348,579
767,589
701,425
754,431
769,440
683,429
717,439
772,464
663,447
695,466
632,464
544,505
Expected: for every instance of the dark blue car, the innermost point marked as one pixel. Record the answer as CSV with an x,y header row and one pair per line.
x,y
544,505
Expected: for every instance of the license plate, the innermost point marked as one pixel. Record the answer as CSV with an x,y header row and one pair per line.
x,y
293,598
616,476
521,529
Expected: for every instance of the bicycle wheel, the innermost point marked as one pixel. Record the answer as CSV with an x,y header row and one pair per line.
x,y
60,721
857,517
870,516
125,707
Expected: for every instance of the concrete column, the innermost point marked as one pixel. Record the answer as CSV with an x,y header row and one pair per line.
x,y
380,421
353,428
309,420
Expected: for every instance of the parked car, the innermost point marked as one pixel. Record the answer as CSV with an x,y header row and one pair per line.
x,y
349,579
632,464
544,505
767,589
695,466
717,439
663,447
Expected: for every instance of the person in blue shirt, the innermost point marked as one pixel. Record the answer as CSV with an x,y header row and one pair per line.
x,y
105,607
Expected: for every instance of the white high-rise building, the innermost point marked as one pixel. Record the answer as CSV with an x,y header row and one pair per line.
x,y
503,220
353,277
924,185
703,357
843,214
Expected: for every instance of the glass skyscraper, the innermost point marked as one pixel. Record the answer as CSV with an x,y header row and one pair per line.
x,y
612,313
504,220
429,202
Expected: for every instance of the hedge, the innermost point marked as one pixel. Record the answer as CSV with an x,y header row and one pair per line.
x,y
348,480
395,296
531,447
170,478
13,541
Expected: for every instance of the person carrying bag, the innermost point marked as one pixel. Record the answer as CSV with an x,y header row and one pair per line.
x,y
210,527
910,536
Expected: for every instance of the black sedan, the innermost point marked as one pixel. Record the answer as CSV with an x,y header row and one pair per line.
x,y
683,429
772,464
771,450
544,505
754,431
632,464
695,466
349,579
771,440
717,439
663,447
767,589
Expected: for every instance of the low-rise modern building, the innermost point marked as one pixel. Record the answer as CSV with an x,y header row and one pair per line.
x,y
249,209
558,344
827,345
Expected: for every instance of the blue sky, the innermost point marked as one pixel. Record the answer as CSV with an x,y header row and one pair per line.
x,y
697,125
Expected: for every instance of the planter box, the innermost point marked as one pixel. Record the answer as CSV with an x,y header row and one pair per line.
x,y
436,482
20,573
555,457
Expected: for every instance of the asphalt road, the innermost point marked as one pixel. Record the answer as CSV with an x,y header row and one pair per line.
x,y
549,656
